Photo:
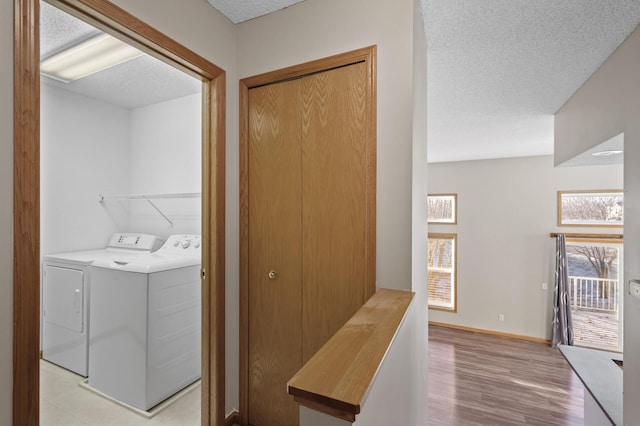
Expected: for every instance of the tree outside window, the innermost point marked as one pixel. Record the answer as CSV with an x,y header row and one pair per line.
x,y
442,271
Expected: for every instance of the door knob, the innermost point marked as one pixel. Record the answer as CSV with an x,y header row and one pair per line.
x,y
273,274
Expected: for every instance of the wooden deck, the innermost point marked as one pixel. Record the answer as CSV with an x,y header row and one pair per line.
x,y
595,328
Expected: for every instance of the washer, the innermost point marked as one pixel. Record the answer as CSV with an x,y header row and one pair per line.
x,y
145,341
66,295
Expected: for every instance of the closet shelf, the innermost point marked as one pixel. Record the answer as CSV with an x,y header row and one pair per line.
x,y
149,197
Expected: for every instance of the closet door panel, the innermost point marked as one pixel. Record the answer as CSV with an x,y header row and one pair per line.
x,y
333,201
274,245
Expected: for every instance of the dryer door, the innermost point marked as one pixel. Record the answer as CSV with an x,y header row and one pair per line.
x,y
62,296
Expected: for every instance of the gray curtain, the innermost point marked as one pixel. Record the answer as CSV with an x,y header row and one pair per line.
x,y
562,332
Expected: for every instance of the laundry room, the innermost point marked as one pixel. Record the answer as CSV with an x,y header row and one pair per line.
x,y
133,129
121,179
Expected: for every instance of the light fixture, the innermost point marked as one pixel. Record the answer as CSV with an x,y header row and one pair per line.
x,y
607,153
86,58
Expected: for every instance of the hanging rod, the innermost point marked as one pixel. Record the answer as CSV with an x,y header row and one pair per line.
x,y
601,236
149,197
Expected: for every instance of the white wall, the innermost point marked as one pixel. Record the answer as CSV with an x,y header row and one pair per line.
x,y
506,210
166,147
316,29
84,152
89,147
608,104
6,210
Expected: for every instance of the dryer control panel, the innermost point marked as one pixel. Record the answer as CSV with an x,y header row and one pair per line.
x,y
134,241
188,245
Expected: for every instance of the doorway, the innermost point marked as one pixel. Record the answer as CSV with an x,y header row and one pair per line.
x,y
596,292
121,24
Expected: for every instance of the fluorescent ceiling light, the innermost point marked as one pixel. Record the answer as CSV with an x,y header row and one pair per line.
x,y
607,153
88,57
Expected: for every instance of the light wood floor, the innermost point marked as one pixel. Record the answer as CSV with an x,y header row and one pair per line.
x,y
481,379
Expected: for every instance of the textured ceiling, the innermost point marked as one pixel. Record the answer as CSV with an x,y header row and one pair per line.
x,y
499,69
134,84
243,10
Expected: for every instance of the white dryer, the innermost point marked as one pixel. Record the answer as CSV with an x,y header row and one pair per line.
x,y
145,341
66,295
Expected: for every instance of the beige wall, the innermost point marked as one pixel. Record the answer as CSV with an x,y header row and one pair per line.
x,y
6,209
506,210
606,105
315,29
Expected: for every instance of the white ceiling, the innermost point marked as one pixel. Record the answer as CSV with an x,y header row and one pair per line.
x,y
498,70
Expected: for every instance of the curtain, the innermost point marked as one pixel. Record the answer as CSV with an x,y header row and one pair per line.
x,y
562,332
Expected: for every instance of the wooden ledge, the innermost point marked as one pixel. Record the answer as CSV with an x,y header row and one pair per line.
x,y
337,378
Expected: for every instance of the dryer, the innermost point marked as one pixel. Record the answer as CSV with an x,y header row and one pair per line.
x,y
145,337
66,294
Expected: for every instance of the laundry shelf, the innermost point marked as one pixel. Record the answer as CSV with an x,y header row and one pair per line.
x,y
149,197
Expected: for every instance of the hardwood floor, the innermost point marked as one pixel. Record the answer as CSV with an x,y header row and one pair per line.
x,y
482,379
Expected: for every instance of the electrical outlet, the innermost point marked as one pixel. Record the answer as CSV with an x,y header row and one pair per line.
x,y
501,317
544,286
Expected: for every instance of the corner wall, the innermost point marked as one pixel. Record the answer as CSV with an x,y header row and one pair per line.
x,y
506,210
419,353
84,152
606,105
166,157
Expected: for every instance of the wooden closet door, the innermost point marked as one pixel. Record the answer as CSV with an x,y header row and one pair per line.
x,y
275,307
334,202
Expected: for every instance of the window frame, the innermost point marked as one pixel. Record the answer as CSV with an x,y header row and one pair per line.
x,y
454,275
454,219
587,225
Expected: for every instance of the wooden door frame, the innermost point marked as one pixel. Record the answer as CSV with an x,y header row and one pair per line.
x,y
26,208
367,55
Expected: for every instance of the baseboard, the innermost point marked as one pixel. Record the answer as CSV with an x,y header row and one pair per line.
x,y
495,333
232,419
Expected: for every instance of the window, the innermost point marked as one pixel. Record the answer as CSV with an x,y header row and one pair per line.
x,y
442,208
442,254
590,208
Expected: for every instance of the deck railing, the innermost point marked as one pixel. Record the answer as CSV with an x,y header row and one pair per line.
x,y
597,294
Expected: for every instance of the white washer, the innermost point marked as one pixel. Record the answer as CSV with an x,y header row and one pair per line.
x,y
66,295
145,341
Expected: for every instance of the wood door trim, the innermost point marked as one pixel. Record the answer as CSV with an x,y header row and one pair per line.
x,y
367,55
26,210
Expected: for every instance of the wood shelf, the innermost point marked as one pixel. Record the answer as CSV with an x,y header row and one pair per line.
x,y
337,378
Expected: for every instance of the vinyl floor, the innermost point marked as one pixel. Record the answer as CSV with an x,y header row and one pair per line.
x,y
483,379
64,403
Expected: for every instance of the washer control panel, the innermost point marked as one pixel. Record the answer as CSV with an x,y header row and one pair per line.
x,y
189,245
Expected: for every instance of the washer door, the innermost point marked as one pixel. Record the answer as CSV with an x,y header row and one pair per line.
x,y
62,296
